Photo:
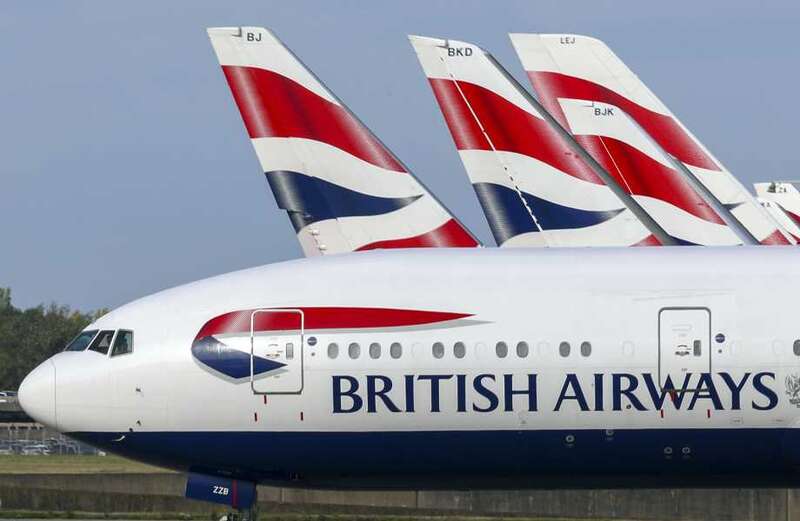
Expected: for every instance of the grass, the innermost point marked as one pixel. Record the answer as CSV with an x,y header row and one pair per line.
x,y
73,465
270,516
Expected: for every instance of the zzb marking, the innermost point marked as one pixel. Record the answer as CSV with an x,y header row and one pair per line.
x,y
221,491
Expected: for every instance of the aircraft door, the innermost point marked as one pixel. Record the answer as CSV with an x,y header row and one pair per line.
x,y
276,351
684,344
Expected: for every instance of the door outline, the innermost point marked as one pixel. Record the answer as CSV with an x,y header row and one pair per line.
x,y
683,308
252,349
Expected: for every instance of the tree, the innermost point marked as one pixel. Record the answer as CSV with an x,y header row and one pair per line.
x,y
28,337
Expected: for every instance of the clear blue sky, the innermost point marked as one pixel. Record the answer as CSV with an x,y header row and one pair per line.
x,y
125,167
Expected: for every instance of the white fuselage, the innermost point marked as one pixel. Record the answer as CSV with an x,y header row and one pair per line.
x,y
530,364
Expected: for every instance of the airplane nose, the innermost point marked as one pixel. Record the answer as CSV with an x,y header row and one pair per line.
x,y
37,394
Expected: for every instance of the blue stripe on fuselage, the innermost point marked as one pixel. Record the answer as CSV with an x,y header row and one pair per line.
x,y
442,459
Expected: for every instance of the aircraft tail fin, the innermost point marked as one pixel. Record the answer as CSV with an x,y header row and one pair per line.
x,y
534,190
342,188
572,71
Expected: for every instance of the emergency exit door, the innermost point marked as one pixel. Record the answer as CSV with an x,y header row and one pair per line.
x,y
276,351
684,344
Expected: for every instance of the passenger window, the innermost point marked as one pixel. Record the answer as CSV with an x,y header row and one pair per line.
x,y
333,350
501,349
586,348
81,341
564,348
289,350
354,350
522,349
395,350
438,350
459,350
796,347
102,342
123,344
374,350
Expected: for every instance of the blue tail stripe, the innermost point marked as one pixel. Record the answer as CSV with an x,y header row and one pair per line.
x,y
508,217
310,199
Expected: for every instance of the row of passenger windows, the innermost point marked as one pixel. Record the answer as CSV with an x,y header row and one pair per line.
x,y
459,350
101,341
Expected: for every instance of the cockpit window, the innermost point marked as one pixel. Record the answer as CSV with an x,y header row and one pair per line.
x,y
81,341
123,344
102,342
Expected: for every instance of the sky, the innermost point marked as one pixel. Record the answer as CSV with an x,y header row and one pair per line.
x,y
126,169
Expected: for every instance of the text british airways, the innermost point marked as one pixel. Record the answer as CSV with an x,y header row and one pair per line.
x,y
488,392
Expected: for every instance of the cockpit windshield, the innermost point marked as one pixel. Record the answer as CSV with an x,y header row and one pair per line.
x,y
102,342
81,341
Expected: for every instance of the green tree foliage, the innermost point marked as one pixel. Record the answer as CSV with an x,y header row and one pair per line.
x,y
28,337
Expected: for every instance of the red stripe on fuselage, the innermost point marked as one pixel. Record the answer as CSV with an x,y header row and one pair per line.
x,y
663,129
273,105
323,318
510,128
449,235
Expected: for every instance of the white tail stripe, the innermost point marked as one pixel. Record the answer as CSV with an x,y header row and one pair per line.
x,y
685,226
334,165
540,179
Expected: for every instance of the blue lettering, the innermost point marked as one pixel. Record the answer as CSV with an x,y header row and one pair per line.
x,y
709,393
765,391
435,379
736,389
619,391
508,384
659,395
598,392
373,393
572,382
350,393
461,391
409,378
481,389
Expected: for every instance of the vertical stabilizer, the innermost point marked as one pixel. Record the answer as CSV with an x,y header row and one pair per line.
x,y
577,77
341,187
534,188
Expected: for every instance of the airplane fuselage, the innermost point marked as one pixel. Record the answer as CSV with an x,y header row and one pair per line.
x,y
448,368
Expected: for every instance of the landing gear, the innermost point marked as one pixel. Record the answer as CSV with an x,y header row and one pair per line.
x,y
244,514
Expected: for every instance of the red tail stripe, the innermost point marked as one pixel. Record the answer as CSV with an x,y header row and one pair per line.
x,y
510,128
776,238
273,105
664,129
323,318
449,235
650,240
646,176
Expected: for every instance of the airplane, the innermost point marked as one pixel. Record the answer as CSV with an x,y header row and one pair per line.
x,y
535,184
782,198
449,368
612,113
342,188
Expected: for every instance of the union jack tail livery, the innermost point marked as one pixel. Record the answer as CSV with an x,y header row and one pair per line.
x,y
342,188
533,189
631,132
782,200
